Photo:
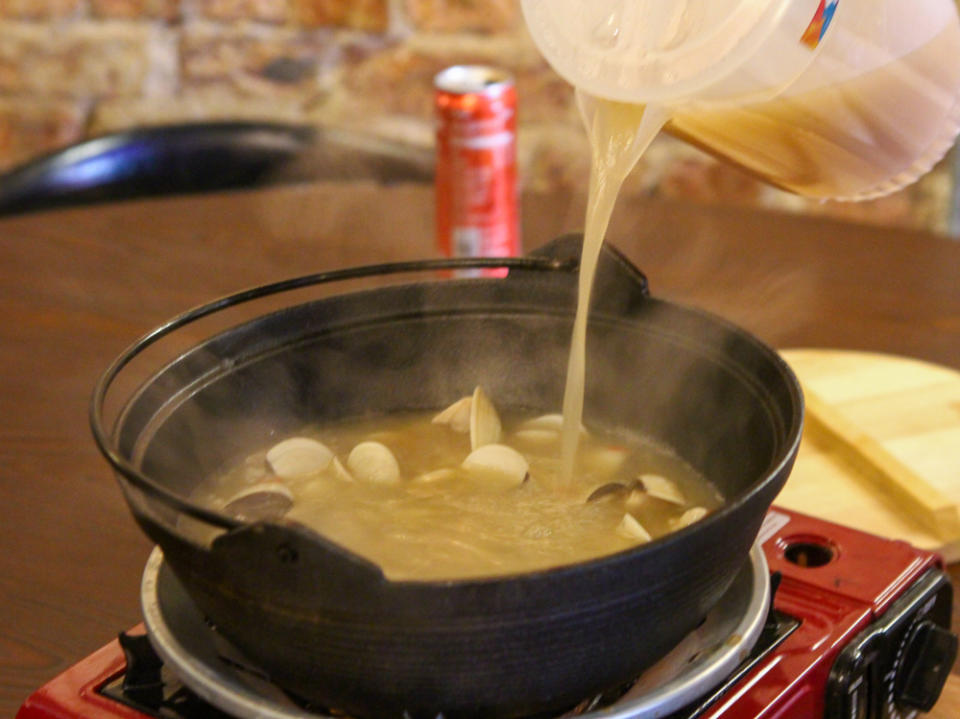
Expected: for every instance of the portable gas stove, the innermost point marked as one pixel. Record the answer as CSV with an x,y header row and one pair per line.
x,y
858,627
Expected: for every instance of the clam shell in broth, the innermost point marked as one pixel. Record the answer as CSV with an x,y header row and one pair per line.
x,y
498,463
456,416
485,427
373,462
298,457
263,501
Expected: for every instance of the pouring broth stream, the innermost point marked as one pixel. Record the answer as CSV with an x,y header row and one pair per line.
x,y
619,134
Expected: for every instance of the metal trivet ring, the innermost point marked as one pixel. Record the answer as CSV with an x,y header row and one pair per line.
x,y
219,674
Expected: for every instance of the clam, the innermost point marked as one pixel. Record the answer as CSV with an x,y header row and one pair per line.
x,y
497,463
552,422
542,431
636,498
604,460
456,416
630,528
632,490
608,491
341,472
661,488
539,437
297,457
694,514
484,420
373,462
436,475
268,500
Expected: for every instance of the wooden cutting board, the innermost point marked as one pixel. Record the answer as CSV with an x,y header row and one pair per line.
x,y
881,446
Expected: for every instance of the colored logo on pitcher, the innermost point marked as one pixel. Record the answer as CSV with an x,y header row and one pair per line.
x,y
821,21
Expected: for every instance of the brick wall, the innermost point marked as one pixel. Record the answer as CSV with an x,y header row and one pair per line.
x,y
70,69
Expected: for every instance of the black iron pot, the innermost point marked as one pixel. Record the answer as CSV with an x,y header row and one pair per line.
x,y
324,623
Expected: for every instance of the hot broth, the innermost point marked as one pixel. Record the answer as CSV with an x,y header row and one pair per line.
x,y
413,493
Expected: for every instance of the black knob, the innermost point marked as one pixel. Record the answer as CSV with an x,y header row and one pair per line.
x,y
928,655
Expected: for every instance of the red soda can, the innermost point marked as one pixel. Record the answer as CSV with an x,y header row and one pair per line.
x,y
476,172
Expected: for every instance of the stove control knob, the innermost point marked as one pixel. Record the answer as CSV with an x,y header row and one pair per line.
x,y
928,655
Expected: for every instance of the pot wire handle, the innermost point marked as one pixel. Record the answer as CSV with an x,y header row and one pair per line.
x,y
122,465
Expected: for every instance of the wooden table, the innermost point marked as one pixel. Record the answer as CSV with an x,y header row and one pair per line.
x,y
77,286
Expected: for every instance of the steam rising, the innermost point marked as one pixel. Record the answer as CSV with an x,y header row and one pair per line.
x,y
338,154
686,380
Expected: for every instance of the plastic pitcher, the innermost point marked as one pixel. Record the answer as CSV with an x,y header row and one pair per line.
x,y
845,99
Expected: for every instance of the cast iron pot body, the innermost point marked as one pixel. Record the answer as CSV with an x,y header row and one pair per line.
x,y
325,624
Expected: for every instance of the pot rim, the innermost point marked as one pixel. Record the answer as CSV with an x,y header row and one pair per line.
x,y
106,443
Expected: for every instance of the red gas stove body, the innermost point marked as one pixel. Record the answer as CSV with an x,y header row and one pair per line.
x,y
871,637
